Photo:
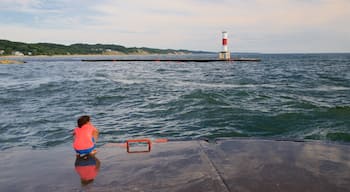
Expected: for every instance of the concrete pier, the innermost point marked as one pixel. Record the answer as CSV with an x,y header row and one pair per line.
x,y
248,165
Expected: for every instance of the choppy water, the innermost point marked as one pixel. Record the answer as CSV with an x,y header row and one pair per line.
x,y
293,96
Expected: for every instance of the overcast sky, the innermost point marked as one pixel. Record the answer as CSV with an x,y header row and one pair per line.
x,y
268,26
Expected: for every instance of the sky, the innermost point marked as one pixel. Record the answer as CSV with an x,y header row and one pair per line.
x,y
266,26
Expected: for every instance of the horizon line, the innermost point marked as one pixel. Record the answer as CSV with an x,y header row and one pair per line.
x,y
212,52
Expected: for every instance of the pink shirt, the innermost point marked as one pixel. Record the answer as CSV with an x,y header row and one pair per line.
x,y
83,137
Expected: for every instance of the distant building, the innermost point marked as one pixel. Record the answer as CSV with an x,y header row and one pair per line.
x,y
30,53
2,52
108,50
17,53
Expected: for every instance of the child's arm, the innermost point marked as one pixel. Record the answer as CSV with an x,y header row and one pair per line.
x,y
95,134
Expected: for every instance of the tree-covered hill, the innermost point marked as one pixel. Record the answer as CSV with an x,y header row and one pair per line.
x,y
19,48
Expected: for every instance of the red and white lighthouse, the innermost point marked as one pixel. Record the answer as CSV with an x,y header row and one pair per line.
x,y
224,41
224,54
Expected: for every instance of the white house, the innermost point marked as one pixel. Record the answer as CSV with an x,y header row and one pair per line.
x,y
17,53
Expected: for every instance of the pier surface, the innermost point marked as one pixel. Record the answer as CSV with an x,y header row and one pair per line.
x,y
224,165
172,60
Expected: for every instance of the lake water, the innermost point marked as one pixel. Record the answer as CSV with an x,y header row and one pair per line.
x,y
287,96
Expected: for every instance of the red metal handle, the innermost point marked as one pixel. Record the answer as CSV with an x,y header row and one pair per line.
x,y
149,143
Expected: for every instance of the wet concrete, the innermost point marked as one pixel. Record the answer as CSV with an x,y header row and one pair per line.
x,y
226,165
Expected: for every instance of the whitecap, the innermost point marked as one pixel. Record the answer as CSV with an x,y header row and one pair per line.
x,y
331,88
128,81
221,85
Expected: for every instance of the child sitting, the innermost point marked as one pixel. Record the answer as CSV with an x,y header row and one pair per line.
x,y
85,137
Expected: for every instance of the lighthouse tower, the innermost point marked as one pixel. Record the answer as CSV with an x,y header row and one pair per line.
x,y
224,54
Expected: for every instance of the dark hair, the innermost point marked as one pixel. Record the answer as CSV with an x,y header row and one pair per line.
x,y
83,120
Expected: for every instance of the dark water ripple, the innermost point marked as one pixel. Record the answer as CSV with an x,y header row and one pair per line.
x,y
294,96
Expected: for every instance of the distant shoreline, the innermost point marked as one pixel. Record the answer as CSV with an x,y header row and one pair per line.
x,y
11,48
92,55
5,62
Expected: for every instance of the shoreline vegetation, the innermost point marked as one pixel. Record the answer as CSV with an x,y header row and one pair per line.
x,y
10,48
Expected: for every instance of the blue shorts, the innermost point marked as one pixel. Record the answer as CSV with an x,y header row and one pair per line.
x,y
87,151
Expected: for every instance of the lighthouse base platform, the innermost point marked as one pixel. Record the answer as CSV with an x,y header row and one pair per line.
x,y
224,56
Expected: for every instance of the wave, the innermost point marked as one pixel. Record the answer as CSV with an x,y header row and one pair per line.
x,y
221,85
282,96
128,81
330,88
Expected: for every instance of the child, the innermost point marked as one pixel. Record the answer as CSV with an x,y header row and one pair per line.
x,y
85,137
